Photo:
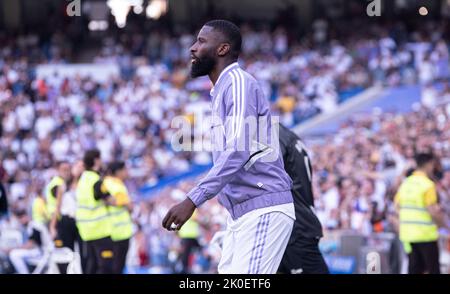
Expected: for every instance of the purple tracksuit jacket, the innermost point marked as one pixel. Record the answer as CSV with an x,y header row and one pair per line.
x,y
248,171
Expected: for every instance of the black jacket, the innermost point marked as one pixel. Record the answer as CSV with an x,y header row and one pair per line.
x,y
3,200
298,167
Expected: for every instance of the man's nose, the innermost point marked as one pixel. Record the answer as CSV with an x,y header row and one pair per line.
x,y
193,48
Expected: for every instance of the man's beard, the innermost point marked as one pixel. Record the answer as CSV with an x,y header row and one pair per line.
x,y
202,67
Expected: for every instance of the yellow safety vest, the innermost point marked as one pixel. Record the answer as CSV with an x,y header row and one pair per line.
x,y
416,224
39,211
190,229
49,197
122,226
92,216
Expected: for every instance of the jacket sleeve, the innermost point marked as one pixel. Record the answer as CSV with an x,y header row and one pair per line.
x,y
100,191
236,141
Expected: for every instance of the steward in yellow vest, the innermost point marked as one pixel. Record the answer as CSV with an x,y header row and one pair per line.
x,y
92,216
122,225
54,189
420,215
54,196
39,210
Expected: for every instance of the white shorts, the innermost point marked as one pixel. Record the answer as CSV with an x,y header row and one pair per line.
x,y
255,243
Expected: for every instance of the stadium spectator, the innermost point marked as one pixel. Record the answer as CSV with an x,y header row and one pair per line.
x,y
3,196
38,240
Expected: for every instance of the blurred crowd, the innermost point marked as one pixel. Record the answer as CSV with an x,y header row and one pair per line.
x,y
43,120
311,75
356,172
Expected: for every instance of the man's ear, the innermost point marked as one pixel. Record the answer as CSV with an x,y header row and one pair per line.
x,y
223,49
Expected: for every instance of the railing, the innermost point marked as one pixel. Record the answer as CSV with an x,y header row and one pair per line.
x,y
194,171
349,252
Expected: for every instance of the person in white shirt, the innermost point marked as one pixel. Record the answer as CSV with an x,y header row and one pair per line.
x,y
64,226
38,240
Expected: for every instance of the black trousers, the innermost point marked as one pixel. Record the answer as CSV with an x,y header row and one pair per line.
x,y
67,232
100,256
303,256
67,236
424,258
120,255
188,246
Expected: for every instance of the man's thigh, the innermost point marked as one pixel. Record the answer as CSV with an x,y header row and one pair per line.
x,y
303,257
260,245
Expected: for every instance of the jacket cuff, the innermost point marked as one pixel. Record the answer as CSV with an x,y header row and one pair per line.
x,y
197,196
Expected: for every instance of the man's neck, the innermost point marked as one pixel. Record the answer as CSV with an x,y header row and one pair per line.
x,y
422,172
215,74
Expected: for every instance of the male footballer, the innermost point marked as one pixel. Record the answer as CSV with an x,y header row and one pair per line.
x,y
255,191
302,254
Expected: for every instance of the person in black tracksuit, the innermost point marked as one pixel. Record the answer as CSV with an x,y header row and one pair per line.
x,y
3,201
302,254
3,197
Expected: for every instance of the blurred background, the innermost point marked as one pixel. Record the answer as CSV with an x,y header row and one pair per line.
x,y
364,93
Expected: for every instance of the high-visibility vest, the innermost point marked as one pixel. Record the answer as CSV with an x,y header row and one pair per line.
x,y
39,211
416,223
122,226
190,229
92,216
49,197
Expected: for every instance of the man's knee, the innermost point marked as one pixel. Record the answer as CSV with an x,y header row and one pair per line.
x,y
16,254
